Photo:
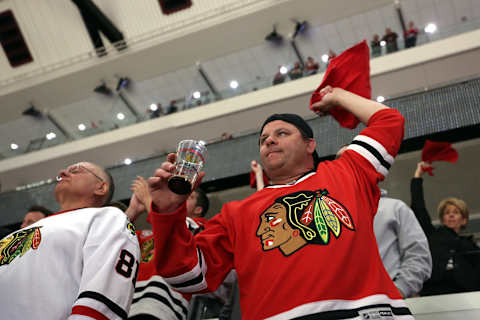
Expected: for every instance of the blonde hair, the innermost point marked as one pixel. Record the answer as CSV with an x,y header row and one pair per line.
x,y
460,204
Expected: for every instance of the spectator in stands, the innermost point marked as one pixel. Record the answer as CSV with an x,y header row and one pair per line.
x,y
402,244
456,258
375,46
288,265
296,72
34,214
197,207
279,77
157,112
226,136
411,35
311,66
172,107
86,254
390,38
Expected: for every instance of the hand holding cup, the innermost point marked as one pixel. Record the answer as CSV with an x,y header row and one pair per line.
x,y
163,198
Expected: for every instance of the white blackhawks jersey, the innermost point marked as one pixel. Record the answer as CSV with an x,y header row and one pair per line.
x,y
78,264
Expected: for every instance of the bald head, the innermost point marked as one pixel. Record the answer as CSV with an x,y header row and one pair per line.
x,y
84,184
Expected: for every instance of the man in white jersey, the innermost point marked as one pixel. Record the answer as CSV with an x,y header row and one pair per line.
x,y
79,263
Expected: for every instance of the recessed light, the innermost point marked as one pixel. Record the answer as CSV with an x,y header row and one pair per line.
x,y
234,84
51,135
120,116
127,161
82,127
13,146
430,28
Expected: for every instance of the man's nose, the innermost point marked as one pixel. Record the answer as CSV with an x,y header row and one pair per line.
x,y
270,141
63,173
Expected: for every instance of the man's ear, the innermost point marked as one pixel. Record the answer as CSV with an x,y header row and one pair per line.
x,y
311,145
102,189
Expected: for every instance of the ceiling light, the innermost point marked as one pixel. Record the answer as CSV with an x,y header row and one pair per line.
x,y
325,58
51,135
283,70
380,99
127,161
81,127
383,43
153,107
430,28
234,84
120,116
197,94
14,146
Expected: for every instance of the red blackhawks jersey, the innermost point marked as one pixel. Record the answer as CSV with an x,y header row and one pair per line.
x,y
302,250
78,264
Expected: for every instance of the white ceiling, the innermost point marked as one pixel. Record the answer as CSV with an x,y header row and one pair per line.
x,y
201,44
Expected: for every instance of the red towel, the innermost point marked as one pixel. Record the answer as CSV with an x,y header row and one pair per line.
x,y
438,151
350,71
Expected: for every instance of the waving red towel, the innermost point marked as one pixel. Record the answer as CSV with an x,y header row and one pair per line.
x,y
350,71
438,151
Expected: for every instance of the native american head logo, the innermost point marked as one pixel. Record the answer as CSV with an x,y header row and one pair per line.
x,y
301,218
147,250
18,244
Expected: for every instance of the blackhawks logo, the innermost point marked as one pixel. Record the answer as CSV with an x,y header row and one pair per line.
x,y
302,218
131,228
147,250
18,244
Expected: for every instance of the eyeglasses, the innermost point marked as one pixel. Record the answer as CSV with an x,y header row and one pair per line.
x,y
78,168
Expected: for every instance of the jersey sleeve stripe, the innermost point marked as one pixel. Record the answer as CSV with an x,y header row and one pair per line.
x,y
88,312
384,154
115,308
374,152
191,281
164,301
163,288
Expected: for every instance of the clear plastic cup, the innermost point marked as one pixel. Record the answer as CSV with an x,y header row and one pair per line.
x,y
191,156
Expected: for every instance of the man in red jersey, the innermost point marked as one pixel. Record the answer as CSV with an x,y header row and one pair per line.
x,y
303,247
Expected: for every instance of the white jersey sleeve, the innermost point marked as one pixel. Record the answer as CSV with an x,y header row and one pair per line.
x,y
110,265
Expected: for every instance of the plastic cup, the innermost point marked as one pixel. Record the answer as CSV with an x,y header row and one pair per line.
x,y
191,156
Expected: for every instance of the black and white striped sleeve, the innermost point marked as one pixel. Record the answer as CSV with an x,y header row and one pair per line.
x,y
193,280
374,152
